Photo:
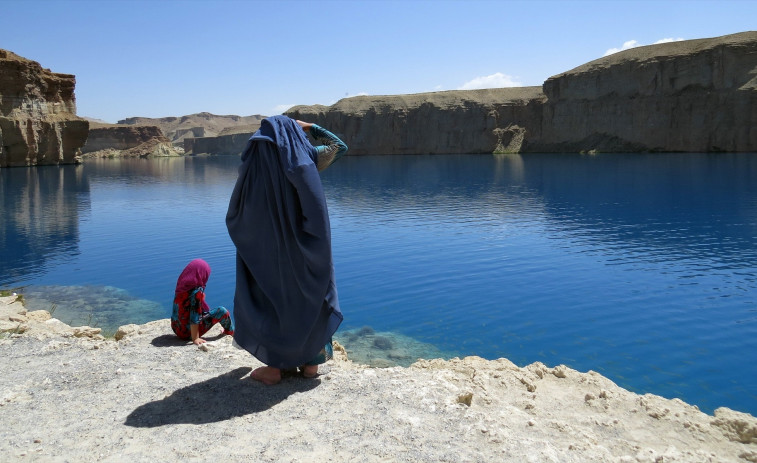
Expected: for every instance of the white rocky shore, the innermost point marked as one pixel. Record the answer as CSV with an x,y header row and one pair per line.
x,y
69,395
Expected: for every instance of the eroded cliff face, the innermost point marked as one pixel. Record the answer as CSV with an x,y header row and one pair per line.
x,y
695,96
230,140
38,122
222,144
114,140
472,121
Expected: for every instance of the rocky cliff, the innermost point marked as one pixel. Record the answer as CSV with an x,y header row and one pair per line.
x,y
113,140
472,121
693,96
38,122
230,140
224,144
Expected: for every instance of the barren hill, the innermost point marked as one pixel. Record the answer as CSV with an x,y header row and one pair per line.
x,y
198,125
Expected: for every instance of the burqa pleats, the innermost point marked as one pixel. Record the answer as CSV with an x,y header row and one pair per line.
x,y
285,304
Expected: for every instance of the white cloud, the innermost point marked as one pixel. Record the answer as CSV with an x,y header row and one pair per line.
x,y
280,109
626,46
634,44
495,80
669,39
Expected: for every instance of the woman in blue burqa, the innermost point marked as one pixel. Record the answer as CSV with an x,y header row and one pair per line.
x,y
285,305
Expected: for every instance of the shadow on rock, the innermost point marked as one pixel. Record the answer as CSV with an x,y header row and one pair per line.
x,y
171,340
217,399
168,340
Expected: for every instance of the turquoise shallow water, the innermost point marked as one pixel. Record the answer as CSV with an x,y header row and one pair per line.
x,y
639,266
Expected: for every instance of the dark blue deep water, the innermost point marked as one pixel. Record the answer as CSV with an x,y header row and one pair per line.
x,y
641,266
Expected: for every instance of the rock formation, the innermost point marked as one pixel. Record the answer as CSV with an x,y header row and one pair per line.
x,y
204,124
691,96
70,394
694,95
470,121
223,144
38,122
112,140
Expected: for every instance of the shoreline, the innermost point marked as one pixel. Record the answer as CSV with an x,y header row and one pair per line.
x,y
69,394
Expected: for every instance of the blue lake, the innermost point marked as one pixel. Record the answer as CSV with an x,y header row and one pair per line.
x,y
639,266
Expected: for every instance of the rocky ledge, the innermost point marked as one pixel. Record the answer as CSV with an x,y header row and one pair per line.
x,y
69,394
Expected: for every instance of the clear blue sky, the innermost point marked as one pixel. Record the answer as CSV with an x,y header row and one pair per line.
x,y
171,58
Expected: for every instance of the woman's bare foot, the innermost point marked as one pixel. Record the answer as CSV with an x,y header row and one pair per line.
x,y
309,371
266,375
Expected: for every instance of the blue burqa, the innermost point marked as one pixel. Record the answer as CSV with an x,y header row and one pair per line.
x,y
285,305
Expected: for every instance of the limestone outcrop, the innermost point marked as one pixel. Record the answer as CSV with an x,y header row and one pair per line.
x,y
113,140
691,96
38,122
70,394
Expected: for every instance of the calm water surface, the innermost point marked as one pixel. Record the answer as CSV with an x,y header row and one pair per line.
x,y
641,267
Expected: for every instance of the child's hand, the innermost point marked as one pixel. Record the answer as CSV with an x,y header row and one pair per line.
x,y
199,341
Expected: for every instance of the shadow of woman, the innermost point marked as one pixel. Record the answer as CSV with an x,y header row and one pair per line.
x,y
208,401
170,340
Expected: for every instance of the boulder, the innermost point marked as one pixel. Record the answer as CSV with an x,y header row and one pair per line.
x,y
125,331
86,331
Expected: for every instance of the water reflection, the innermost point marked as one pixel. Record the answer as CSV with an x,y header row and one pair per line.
x,y
661,203
40,215
189,170
638,266
641,267
682,205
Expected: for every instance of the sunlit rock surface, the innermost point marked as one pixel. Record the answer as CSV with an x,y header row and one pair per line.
x,y
38,122
113,140
69,394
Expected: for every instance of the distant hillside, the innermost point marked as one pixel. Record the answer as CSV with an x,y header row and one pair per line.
x,y
198,125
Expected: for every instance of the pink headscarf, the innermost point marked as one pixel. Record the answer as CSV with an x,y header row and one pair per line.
x,y
195,274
